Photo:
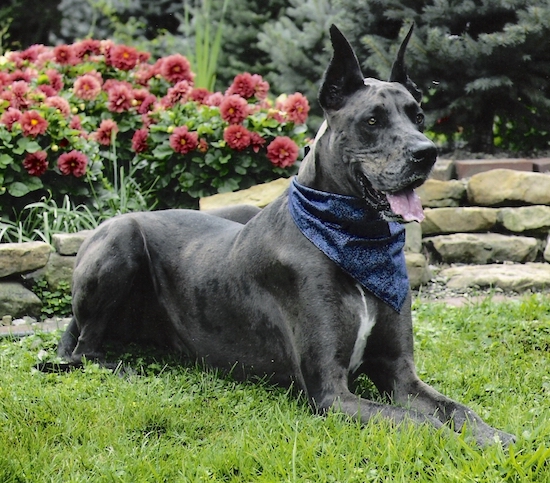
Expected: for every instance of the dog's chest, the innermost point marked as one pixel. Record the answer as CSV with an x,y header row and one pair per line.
x,y
367,320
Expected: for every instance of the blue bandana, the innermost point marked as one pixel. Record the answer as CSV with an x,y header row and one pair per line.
x,y
359,241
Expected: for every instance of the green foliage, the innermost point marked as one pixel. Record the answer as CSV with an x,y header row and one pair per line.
x,y
56,301
182,423
475,62
41,220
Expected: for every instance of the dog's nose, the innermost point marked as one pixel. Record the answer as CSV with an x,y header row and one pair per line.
x,y
425,153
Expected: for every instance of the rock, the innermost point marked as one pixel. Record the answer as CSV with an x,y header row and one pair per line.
x,y
443,170
505,187
58,269
482,248
259,195
17,301
413,237
469,167
418,269
435,193
6,320
460,219
512,277
69,243
23,257
531,219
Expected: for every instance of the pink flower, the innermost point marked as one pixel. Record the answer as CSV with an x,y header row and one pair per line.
x,y
59,103
75,123
282,152
64,54
199,94
145,104
123,57
10,117
178,93
20,89
237,137
139,141
55,79
105,132
87,87
243,85
36,163
144,73
175,68
73,163
234,109
214,99
296,107
86,47
261,87
256,141
33,123
182,141
120,98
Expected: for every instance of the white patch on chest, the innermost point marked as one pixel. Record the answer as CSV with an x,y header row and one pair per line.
x,y
367,321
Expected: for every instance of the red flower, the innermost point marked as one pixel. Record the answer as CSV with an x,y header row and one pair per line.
x,y
256,141
86,47
87,87
146,104
64,54
123,57
199,94
10,117
33,124
203,145
237,137
35,163
234,109
296,107
182,141
177,93
120,98
59,103
139,141
105,132
175,68
55,79
282,152
243,85
261,87
73,163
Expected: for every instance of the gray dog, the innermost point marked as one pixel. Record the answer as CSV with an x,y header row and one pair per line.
x,y
312,291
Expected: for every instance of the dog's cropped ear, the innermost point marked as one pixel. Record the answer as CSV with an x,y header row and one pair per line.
x,y
343,76
399,70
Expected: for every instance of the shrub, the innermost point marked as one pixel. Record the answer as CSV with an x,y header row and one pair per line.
x,y
76,119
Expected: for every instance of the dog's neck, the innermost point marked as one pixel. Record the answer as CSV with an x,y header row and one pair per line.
x,y
363,244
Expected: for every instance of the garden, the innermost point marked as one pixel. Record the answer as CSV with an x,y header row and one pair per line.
x,y
110,107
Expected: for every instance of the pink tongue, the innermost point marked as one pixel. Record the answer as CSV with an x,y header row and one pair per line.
x,y
407,204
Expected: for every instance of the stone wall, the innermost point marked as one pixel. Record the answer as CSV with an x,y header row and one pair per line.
x,y
488,224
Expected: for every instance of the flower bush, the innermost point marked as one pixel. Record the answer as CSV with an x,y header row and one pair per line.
x,y
78,119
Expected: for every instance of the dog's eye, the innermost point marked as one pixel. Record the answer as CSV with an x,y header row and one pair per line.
x,y
419,118
371,121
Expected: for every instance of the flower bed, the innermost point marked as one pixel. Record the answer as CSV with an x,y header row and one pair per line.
x,y
78,119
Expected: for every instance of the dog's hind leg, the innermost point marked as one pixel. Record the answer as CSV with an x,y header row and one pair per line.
x,y
103,278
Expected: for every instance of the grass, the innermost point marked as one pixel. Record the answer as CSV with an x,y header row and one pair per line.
x,y
182,424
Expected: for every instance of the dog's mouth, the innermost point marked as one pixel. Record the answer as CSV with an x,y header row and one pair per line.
x,y
403,205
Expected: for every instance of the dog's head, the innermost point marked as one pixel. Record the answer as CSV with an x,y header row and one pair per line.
x,y
372,145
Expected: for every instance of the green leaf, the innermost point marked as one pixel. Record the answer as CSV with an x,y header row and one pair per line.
x,y
19,189
163,151
5,160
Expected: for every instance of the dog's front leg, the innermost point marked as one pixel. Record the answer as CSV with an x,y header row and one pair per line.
x,y
389,363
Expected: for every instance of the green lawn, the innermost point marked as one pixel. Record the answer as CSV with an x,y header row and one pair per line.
x,y
179,424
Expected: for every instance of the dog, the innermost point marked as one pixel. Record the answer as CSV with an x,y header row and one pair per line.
x,y
311,291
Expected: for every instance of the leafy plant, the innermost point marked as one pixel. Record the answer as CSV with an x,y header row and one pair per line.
x,y
54,302
73,116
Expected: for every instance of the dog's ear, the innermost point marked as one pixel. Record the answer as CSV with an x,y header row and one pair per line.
x,y
343,76
399,70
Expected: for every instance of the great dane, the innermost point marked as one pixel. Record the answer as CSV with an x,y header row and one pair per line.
x,y
312,291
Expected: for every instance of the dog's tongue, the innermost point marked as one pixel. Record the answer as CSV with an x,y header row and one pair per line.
x,y
407,204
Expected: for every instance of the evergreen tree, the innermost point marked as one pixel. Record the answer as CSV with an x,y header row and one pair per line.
x,y
484,64
298,45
